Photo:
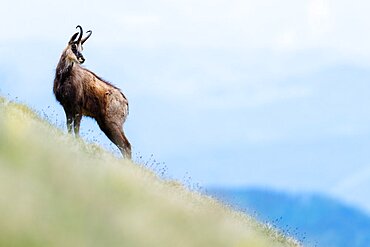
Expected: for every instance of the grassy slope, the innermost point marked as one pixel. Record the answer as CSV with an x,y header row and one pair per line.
x,y
59,191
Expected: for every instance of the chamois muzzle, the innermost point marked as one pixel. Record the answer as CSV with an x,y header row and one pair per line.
x,y
80,58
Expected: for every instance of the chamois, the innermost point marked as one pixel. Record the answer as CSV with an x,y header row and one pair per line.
x,y
83,93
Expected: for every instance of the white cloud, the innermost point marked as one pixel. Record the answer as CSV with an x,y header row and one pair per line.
x,y
288,40
252,30
248,25
319,16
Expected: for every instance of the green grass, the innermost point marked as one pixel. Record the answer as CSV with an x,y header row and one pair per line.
x,y
56,190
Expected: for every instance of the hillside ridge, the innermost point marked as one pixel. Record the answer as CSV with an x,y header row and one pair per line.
x,y
56,190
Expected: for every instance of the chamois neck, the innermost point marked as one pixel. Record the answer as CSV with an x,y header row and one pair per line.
x,y
64,68
65,65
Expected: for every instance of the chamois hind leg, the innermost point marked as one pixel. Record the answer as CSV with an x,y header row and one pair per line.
x,y
115,133
126,147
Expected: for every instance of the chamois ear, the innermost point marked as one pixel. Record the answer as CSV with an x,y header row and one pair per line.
x,y
73,38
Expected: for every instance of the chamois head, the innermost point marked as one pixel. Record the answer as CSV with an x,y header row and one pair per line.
x,y
74,48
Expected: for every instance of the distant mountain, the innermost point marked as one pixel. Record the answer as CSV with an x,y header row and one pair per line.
x,y
315,220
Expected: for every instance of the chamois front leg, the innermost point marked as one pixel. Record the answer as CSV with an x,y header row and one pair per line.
x,y
69,122
76,124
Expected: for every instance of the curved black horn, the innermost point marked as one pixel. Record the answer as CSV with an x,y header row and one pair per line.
x,y
88,36
81,32
73,38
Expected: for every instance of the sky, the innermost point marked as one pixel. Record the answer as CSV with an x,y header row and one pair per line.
x,y
272,94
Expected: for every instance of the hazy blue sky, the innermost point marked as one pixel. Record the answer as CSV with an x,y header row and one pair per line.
x,y
234,93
